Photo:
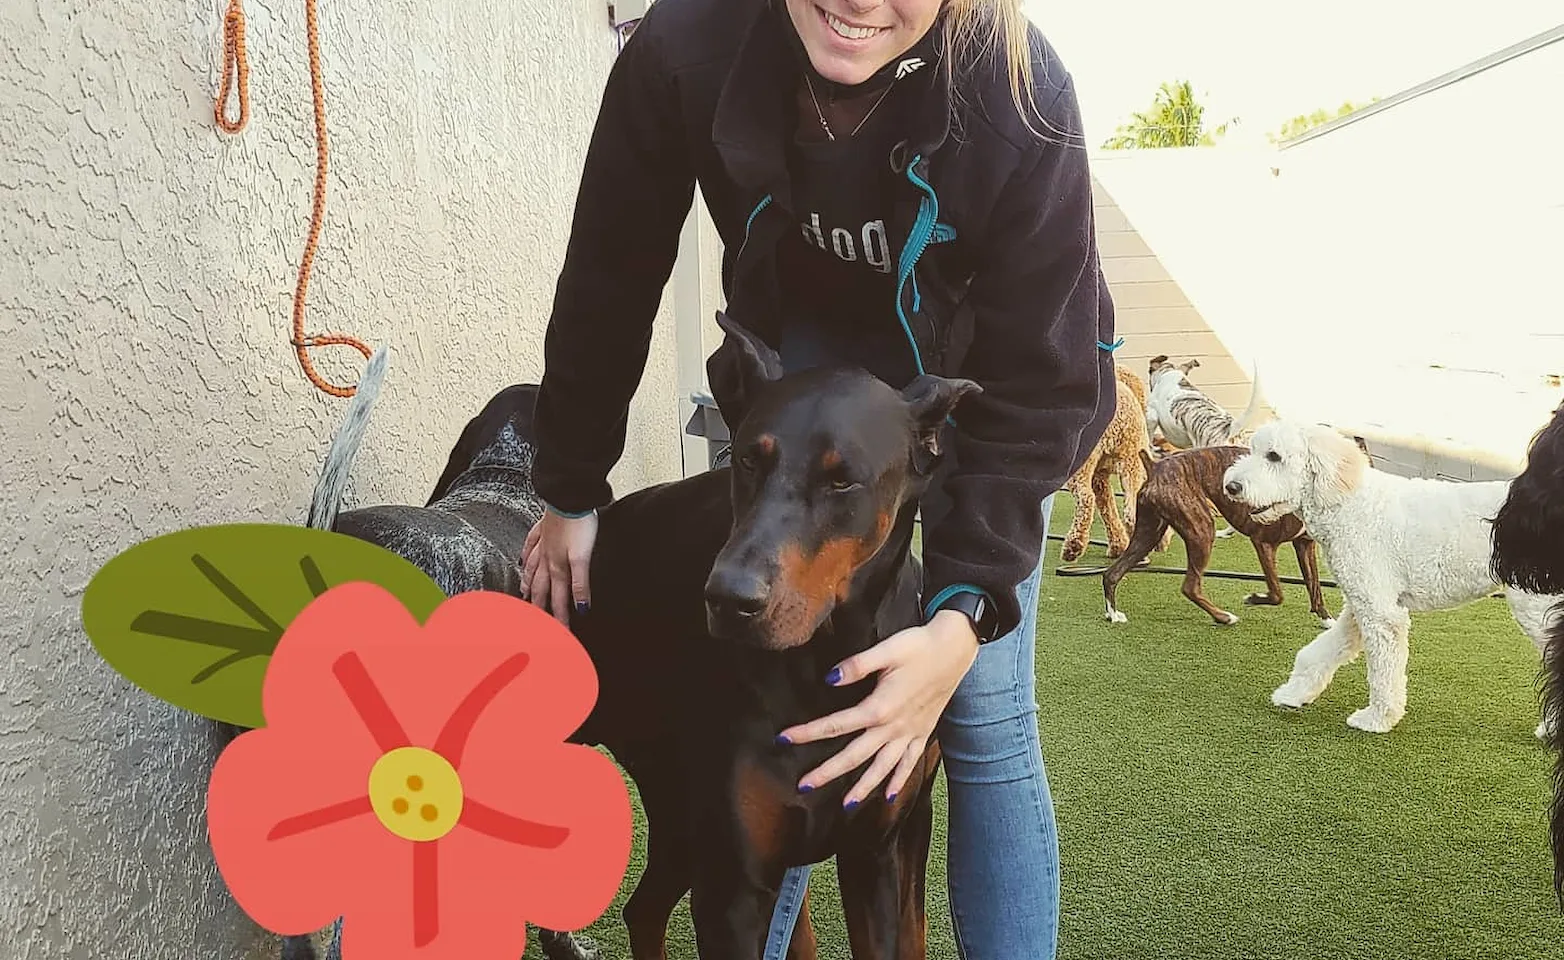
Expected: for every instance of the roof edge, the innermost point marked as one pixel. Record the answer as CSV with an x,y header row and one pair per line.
x,y
1460,73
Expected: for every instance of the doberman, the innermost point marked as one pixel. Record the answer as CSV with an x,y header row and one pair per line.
x,y
720,604
1176,494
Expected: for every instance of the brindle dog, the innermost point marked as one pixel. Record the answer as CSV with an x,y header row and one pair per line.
x,y
1178,493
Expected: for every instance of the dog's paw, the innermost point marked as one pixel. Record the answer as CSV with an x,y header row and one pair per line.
x,y
1225,532
298,948
1543,732
1293,694
1261,600
1226,619
1071,551
1115,616
1373,719
1327,623
568,946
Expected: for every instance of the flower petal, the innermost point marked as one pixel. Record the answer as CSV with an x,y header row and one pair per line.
x,y
424,917
286,810
498,684
551,696
290,880
313,681
505,862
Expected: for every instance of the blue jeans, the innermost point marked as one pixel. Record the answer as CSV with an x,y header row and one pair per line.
x,y
1003,848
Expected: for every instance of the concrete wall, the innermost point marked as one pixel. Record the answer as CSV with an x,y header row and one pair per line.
x,y
1396,276
147,264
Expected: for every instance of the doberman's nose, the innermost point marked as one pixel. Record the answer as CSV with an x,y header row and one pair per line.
x,y
736,593
1234,488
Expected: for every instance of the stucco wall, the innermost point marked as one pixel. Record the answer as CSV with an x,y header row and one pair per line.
x,y
147,264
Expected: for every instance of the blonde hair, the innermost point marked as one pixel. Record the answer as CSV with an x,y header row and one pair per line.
x,y
977,29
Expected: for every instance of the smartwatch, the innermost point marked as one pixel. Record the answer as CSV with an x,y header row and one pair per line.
x,y
978,609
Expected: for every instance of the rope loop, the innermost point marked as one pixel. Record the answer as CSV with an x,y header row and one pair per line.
x,y
236,72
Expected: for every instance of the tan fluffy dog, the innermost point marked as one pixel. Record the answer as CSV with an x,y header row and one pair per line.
x,y
1118,451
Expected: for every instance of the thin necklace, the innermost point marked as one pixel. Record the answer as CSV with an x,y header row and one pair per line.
x,y
821,113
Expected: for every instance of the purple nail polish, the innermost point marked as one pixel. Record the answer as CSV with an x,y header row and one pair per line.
x,y
783,740
804,788
851,805
891,798
834,677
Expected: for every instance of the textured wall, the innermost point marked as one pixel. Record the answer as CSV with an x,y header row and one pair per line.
x,y
147,263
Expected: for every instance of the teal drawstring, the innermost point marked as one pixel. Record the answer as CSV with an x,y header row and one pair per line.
x,y
1110,347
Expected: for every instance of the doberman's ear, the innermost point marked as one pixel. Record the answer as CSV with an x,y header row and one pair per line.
x,y
739,369
931,400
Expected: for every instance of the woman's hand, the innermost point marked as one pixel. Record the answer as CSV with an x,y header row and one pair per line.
x,y
919,668
555,561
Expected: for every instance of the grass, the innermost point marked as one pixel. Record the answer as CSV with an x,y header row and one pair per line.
x,y
1197,821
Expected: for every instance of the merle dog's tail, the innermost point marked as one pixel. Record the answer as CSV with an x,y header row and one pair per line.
x,y
327,499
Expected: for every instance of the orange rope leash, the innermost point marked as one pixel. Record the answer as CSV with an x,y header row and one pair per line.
x,y
234,59
235,62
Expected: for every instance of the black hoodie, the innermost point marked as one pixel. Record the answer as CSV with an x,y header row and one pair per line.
x,y
995,274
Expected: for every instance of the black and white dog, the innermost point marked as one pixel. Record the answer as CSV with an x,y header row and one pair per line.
x,y
1187,417
468,536
1528,554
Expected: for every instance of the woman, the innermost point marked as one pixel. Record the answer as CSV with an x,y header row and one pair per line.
x,y
898,184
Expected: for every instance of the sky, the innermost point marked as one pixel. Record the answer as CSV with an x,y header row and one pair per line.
x,y
1266,62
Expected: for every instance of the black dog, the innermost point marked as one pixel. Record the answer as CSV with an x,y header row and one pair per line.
x,y
720,603
1528,554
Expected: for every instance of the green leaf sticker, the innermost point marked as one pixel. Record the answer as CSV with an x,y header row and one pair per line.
x,y
192,617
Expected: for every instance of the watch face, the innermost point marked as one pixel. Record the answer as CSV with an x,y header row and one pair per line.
x,y
978,610
985,620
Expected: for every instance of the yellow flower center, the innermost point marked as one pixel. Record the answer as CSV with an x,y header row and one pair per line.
x,y
416,793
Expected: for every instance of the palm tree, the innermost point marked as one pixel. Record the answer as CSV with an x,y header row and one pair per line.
x,y
1303,123
1176,119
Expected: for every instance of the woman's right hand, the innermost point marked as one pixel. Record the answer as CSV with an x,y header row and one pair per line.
x,y
555,561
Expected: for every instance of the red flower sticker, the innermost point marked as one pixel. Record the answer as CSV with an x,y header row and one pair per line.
x,y
414,780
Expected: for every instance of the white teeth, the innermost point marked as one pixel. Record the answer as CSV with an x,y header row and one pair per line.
x,y
844,29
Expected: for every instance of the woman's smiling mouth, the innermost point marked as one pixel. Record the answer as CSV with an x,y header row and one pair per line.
x,y
845,30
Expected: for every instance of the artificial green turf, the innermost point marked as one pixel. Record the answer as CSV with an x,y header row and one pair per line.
x,y
1197,821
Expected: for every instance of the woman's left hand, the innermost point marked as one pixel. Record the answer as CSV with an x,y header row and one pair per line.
x,y
919,668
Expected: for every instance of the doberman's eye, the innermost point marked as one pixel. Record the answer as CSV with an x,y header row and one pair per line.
x,y
841,485
1274,457
746,462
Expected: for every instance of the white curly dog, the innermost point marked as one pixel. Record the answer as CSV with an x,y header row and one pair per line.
x,y
1396,546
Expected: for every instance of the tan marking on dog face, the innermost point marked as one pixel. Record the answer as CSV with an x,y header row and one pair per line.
x,y
830,460
808,585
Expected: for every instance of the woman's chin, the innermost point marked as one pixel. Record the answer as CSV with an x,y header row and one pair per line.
x,y
847,71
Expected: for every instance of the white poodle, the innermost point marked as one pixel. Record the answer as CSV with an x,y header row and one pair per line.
x,y
1396,546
